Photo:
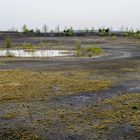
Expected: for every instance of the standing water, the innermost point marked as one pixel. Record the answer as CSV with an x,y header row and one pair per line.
x,y
36,53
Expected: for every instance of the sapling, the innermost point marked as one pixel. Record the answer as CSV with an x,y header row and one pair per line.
x,y
8,42
8,45
78,48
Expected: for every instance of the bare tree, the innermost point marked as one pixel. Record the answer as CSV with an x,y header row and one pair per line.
x,y
13,29
57,29
45,28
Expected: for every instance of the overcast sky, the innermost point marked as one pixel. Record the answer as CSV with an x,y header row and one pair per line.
x,y
76,13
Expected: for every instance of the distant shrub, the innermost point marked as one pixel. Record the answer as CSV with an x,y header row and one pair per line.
x,y
137,36
68,32
129,33
104,32
133,34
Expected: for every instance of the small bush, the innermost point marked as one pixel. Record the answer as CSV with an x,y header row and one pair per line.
x,y
94,49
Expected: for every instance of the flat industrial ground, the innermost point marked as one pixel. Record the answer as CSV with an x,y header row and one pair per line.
x,y
71,98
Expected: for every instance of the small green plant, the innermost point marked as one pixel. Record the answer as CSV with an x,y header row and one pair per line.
x,y
41,47
113,37
8,45
44,41
78,48
2,63
8,54
90,54
28,47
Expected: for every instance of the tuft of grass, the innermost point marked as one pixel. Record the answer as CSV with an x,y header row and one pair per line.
x,y
8,116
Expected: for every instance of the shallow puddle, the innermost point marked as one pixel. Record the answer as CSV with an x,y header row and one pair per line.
x,y
35,53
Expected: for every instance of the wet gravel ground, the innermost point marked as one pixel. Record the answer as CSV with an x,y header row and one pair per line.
x,y
90,98
121,62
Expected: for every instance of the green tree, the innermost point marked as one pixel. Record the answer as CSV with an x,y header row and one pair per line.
x,y
25,28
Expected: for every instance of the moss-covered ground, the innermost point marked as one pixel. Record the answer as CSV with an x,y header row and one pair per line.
x,y
26,85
